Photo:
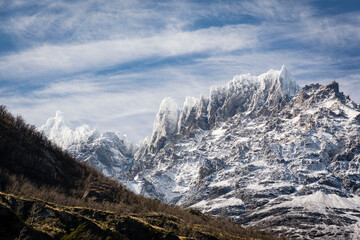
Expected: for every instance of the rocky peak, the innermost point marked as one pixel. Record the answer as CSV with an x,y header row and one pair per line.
x,y
57,129
254,95
193,115
315,94
334,86
165,124
280,81
106,151
270,154
288,83
58,121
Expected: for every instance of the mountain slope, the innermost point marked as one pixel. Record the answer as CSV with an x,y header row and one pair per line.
x,y
47,194
261,151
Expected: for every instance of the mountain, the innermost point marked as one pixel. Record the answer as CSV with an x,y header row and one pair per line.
x,y
261,151
109,152
46,194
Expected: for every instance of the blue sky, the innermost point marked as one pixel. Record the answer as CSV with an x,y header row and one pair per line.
x,y
109,63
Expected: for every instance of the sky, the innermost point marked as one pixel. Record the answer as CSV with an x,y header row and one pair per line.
x,y
109,63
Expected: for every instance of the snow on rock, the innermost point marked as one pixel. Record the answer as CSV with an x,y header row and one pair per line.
x,y
188,112
194,115
271,152
288,83
109,152
57,129
165,123
218,203
279,80
255,95
320,201
258,150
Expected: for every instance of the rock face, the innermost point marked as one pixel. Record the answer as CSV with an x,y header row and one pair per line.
x,y
165,124
261,151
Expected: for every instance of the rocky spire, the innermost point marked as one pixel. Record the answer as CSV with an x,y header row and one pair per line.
x,y
165,124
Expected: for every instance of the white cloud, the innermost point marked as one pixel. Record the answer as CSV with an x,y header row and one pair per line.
x,y
90,20
277,11
111,103
339,32
298,21
71,87
63,38
64,59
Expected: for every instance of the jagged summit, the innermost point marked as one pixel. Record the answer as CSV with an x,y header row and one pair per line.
x,y
109,152
288,83
255,95
334,85
58,120
262,151
280,79
194,115
57,128
259,150
165,122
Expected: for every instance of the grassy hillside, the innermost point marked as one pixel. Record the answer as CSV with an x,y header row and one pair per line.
x,y
46,194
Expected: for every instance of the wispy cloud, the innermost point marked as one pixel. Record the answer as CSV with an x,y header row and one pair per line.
x,y
110,103
118,59
64,59
277,11
87,21
339,32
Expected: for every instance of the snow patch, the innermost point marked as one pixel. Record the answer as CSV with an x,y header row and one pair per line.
x,y
218,133
221,202
320,201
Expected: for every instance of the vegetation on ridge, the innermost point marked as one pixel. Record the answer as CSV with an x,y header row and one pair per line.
x,y
46,194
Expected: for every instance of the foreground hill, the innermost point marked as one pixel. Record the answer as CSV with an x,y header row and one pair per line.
x,y
46,194
259,150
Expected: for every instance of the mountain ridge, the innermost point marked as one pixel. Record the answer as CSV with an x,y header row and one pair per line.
x,y
253,151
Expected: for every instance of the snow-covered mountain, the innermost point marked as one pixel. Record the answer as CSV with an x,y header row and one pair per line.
x,y
260,150
109,152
